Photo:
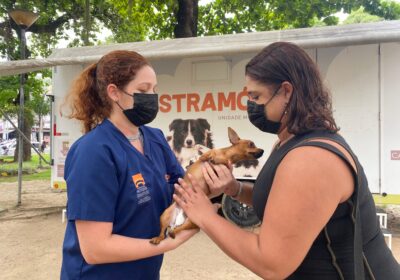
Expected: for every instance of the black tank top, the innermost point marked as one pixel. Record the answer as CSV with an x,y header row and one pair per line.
x,y
334,261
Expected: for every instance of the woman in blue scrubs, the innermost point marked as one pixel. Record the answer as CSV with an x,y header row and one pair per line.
x,y
120,174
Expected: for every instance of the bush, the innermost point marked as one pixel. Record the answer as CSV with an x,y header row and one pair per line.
x,y
8,168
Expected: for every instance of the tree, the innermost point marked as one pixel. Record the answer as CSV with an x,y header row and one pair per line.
x,y
140,20
55,18
361,16
387,9
187,18
238,16
41,106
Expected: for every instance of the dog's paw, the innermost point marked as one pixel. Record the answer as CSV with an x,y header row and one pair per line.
x,y
171,234
156,240
201,149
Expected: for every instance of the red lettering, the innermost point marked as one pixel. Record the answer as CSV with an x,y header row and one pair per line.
x,y
165,105
196,103
226,101
241,95
208,103
193,100
178,98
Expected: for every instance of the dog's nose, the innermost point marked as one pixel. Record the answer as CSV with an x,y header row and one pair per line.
x,y
189,142
259,153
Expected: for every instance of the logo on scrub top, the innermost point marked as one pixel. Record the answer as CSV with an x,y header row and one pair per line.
x,y
138,180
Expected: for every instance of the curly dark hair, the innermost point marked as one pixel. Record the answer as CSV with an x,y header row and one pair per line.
x,y
310,106
88,100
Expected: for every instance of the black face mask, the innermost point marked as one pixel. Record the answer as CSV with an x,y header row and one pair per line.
x,y
258,118
145,108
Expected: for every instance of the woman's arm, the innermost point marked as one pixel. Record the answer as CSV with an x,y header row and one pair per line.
x,y
308,186
98,245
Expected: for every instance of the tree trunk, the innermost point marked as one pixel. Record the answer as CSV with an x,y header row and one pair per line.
x,y
27,129
40,138
187,17
28,133
87,23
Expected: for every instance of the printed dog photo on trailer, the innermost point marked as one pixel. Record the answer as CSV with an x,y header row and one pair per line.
x,y
190,138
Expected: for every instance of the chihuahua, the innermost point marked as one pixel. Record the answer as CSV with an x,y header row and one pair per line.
x,y
173,220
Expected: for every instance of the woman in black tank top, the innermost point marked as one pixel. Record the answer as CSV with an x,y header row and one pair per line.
x,y
318,216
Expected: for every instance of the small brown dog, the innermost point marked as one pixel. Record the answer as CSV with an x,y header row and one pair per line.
x,y
173,219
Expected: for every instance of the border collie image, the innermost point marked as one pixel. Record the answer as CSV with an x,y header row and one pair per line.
x,y
188,133
189,139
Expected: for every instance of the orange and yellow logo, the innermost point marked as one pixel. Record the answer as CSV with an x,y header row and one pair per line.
x,y
138,180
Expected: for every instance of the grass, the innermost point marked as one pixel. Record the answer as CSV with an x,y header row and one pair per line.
x,y
30,169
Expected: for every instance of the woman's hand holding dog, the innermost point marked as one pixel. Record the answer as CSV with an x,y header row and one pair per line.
x,y
219,179
196,205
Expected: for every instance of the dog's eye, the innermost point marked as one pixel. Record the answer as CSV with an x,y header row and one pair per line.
x,y
251,145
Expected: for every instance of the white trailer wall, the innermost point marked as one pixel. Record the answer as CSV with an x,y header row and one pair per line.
x,y
65,130
354,74
390,116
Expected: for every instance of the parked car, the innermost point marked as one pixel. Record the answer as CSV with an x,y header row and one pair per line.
x,y
7,147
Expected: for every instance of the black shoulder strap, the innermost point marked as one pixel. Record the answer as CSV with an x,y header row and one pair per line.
x,y
358,247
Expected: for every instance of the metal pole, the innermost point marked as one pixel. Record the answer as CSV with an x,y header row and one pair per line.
x,y
21,120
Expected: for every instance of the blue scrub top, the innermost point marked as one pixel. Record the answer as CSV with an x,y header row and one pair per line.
x,y
108,180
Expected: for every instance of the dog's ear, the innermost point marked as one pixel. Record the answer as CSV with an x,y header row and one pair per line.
x,y
233,137
204,123
174,124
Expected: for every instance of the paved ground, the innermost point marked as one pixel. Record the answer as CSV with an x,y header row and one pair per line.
x,y
31,239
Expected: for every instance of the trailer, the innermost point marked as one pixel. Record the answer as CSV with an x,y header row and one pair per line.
x,y
202,80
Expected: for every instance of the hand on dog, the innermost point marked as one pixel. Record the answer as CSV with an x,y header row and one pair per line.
x,y
219,178
196,205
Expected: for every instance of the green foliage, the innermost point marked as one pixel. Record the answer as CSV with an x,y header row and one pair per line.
x,y
9,86
238,16
38,101
39,175
140,20
31,169
134,20
361,16
387,9
9,169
